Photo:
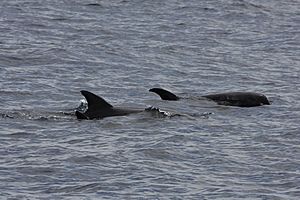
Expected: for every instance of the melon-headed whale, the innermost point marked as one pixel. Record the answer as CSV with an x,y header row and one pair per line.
x,y
98,108
241,99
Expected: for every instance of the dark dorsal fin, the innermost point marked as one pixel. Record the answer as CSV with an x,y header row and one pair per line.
x,y
94,101
164,94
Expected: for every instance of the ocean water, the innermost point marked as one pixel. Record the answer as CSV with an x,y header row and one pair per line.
x,y
119,49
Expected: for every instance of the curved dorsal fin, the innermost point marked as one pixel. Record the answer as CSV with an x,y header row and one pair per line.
x,y
95,101
164,94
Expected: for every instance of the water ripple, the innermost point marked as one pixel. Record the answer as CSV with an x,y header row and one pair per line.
x,y
50,50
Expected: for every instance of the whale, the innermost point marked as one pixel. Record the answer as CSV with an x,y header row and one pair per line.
x,y
98,108
240,99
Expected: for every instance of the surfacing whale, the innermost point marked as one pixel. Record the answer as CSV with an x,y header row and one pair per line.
x,y
98,108
241,99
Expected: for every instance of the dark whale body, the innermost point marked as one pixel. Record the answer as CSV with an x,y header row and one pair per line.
x,y
98,108
241,99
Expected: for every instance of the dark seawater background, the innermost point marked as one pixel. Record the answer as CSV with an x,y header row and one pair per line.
x,y
119,49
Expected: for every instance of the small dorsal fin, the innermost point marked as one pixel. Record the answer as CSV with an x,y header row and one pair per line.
x,y
95,101
164,94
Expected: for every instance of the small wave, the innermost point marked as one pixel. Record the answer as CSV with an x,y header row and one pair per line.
x,y
3,115
8,92
94,4
21,134
74,188
157,112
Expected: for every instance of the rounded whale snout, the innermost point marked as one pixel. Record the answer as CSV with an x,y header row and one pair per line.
x,y
264,100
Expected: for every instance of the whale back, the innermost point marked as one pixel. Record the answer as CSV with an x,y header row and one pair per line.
x,y
241,99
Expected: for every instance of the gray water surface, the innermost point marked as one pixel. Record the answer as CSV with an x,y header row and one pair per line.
x,y
50,50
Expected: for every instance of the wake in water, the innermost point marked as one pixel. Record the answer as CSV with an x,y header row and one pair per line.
x,y
37,115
